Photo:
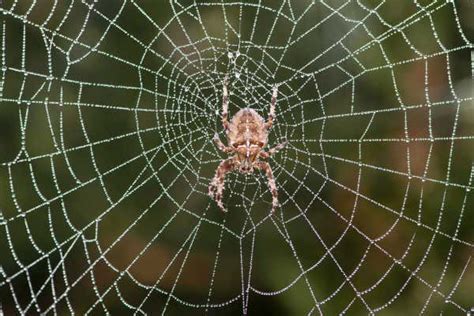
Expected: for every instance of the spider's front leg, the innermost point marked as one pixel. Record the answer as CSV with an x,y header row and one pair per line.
x,y
225,103
265,166
271,114
216,188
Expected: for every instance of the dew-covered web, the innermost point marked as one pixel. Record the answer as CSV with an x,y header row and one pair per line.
x,y
108,109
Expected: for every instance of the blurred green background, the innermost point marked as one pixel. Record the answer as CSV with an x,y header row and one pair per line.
x,y
108,109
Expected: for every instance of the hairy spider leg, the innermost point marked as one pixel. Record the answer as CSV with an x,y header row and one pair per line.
x,y
265,166
277,148
271,114
216,188
273,150
220,144
225,103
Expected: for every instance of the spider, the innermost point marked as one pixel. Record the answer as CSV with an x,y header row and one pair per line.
x,y
247,135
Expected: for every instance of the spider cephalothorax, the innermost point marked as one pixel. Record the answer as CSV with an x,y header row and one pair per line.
x,y
247,135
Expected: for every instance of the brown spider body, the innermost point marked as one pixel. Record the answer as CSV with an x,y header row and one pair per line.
x,y
247,135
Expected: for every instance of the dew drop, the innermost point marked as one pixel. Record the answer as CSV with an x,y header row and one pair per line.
x,y
237,74
230,55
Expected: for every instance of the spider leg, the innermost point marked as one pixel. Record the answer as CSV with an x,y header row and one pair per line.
x,y
221,145
225,103
216,188
271,114
274,150
265,166
277,148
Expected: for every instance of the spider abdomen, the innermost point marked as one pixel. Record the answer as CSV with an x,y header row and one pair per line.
x,y
247,126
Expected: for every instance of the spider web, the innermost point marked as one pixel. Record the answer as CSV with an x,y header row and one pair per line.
x,y
108,109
